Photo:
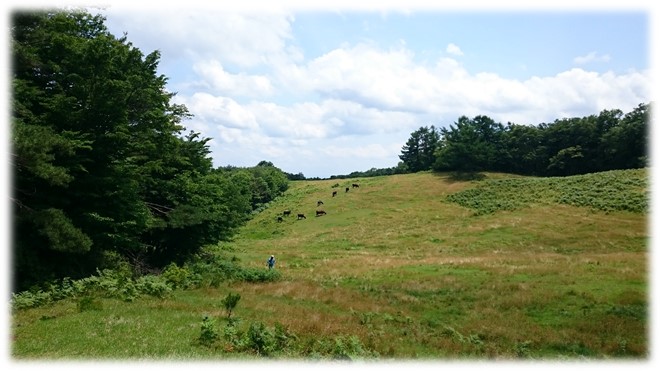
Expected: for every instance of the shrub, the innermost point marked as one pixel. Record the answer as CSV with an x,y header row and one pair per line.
x,y
176,277
209,334
260,339
154,286
230,302
29,299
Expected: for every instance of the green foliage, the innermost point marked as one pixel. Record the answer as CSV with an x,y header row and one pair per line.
x,y
102,165
30,299
472,145
209,332
211,269
265,341
616,190
568,146
60,232
154,285
418,152
177,277
260,339
400,168
230,302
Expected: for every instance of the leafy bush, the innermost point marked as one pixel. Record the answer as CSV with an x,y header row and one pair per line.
x,y
209,334
154,285
176,277
29,299
207,269
260,339
213,268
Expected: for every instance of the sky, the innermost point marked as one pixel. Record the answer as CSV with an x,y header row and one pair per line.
x,y
328,90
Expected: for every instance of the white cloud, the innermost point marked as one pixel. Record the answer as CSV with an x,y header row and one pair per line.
x,y
453,49
254,92
218,111
240,39
217,80
591,57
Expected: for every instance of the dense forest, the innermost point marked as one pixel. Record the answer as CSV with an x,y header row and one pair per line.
x,y
104,171
610,140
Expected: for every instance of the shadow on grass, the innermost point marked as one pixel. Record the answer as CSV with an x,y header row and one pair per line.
x,y
461,176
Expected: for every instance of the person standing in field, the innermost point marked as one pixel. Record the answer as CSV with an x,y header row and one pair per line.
x,y
271,262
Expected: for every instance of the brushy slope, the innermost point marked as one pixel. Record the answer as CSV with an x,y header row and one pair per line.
x,y
396,269
619,190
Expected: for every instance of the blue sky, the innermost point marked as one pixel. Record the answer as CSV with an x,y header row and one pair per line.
x,y
329,90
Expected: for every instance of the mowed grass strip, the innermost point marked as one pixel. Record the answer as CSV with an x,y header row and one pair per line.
x,y
413,275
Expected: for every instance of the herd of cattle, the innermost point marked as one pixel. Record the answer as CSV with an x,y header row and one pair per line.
x,y
318,204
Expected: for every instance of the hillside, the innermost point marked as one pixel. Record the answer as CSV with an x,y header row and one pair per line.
x,y
396,268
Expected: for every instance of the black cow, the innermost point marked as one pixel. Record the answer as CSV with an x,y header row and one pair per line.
x,y
301,216
334,193
347,189
320,212
355,185
279,219
286,212
319,203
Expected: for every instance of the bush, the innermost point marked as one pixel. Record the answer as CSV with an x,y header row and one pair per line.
x,y
29,299
260,339
209,334
177,278
154,286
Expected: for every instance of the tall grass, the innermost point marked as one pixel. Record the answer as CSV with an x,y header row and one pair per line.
x,y
399,269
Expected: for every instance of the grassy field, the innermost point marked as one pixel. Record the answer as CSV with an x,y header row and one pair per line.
x,y
504,268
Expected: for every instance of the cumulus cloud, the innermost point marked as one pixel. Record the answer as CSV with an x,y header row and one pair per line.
x,y
453,49
251,88
219,111
214,78
591,57
370,92
242,39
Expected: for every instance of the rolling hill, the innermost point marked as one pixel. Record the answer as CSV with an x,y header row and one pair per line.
x,y
406,266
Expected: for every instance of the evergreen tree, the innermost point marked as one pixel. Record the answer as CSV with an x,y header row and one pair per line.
x,y
418,152
102,165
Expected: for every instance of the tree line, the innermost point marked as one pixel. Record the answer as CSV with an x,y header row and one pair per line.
x,y
610,140
104,172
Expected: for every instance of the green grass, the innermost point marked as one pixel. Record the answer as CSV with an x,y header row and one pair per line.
x,y
417,266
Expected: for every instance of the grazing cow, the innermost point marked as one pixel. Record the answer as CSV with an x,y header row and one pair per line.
x,y
301,216
355,185
320,212
347,189
319,203
279,219
334,193
286,212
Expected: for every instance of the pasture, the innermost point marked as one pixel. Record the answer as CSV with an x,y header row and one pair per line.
x,y
518,268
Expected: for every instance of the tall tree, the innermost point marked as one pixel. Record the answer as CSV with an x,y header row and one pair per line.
x,y
625,145
102,165
469,145
418,152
